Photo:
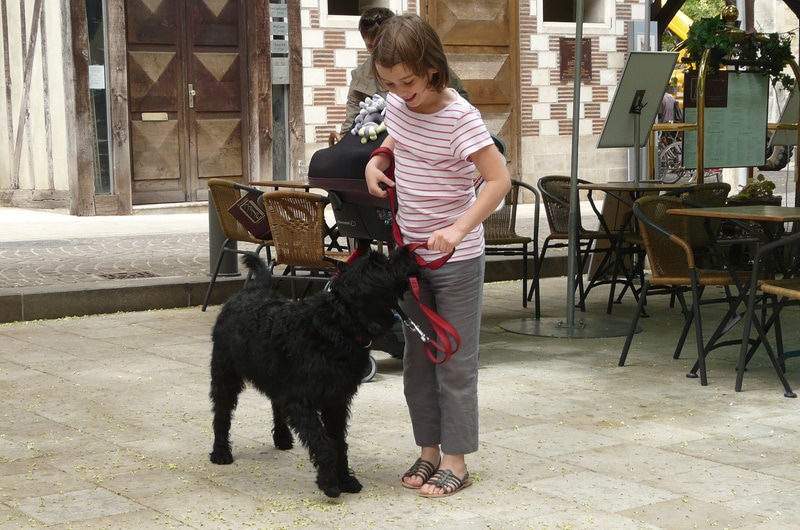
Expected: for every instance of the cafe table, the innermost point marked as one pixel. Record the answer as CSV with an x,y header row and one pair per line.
x,y
614,218
773,218
633,189
278,184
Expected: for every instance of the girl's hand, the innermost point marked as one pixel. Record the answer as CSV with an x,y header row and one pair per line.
x,y
376,177
446,239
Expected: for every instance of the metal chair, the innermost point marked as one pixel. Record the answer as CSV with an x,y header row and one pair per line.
x,y
555,190
297,220
778,294
224,193
674,271
502,239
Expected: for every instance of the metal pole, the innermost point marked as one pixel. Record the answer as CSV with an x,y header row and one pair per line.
x,y
574,213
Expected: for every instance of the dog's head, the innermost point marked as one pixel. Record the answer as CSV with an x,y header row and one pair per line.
x,y
374,283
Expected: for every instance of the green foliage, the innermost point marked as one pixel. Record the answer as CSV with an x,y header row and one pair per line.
x,y
759,188
773,50
697,9
694,9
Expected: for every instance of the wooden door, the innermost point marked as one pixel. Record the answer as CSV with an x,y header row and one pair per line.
x,y
186,72
481,40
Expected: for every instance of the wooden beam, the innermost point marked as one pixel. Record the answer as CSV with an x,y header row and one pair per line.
x,y
664,14
79,117
9,100
117,95
259,91
297,130
24,104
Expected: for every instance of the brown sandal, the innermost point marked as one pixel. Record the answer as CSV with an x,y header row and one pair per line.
x,y
422,469
447,481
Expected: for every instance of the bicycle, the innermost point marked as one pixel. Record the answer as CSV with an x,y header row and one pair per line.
x,y
670,162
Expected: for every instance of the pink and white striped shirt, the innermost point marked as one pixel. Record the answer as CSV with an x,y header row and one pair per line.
x,y
433,170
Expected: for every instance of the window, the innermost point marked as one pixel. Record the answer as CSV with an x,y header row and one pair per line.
x,y
564,11
97,87
345,13
343,7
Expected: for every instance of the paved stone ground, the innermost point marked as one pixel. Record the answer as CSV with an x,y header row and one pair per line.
x,y
79,260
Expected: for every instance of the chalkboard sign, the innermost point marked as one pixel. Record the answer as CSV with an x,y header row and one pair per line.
x,y
735,120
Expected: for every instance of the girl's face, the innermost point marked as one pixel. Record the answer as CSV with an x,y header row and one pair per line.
x,y
412,88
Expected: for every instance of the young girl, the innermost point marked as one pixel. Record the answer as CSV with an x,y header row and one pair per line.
x,y
437,140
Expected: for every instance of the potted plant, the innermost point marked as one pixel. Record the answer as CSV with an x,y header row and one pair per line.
x,y
758,191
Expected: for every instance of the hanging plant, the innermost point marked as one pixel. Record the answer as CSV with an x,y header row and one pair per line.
x,y
766,53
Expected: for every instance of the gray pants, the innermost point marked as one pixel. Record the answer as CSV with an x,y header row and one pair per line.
x,y
443,398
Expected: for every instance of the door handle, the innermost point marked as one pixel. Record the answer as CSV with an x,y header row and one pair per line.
x,y
192,94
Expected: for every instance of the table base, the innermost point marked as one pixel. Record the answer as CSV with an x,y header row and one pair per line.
x,y
585,327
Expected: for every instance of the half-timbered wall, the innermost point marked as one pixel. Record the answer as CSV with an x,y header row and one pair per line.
x,y
35,161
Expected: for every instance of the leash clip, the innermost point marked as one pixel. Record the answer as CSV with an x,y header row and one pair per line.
x,y
410,324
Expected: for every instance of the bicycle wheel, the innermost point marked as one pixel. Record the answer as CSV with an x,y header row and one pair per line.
x,y
671,168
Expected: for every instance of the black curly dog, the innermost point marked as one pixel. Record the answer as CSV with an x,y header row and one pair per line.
x,y
307,356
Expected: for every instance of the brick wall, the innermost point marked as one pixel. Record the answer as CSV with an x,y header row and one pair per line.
x,y
546,101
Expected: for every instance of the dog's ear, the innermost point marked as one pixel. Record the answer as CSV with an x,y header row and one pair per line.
x,y
403,259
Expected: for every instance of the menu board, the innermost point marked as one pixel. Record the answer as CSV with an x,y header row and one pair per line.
x,y
735,120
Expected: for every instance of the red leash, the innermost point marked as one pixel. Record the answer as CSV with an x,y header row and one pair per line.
x,y
446,334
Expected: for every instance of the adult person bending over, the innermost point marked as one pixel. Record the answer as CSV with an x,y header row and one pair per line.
x,y
362,82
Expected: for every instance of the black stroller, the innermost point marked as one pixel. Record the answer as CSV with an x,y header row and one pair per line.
x,y
360,217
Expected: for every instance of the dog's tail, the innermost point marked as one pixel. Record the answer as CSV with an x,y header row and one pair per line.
x,y
258,268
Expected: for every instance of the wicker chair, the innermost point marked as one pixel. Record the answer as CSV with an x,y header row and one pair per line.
x,y
224,193
502,239
629,257
297,220
555,198
674,271
778,293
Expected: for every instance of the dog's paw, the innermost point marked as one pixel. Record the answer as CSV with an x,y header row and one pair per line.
x,y
221,457
329,486
349,484
283,440
330,490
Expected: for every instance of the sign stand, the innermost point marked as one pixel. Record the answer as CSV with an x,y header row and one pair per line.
x,y
586,327
636,102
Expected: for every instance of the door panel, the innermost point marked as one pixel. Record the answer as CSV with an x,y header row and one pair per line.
x,y
179,138
215,23
215,71
480,39
156,155
151,22
219,147
154,78
216,78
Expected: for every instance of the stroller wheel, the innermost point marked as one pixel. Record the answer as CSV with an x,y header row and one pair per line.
x,y
371,370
